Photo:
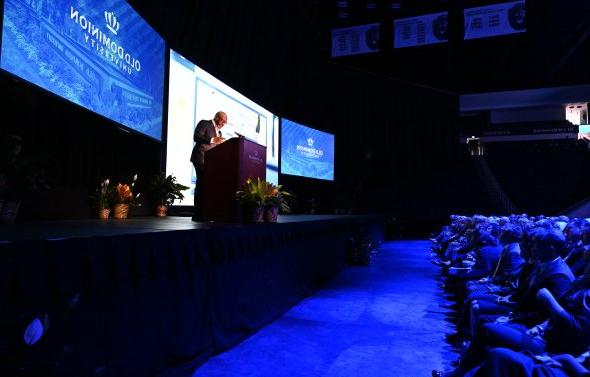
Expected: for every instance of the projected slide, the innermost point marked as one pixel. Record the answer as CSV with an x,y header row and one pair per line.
x,y
196,95
99,54
306,152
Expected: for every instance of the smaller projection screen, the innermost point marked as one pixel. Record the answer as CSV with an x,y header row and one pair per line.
x,y
194,94
99,54
306,152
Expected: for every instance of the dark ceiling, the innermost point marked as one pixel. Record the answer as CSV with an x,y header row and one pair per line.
x,y
554,51
296,34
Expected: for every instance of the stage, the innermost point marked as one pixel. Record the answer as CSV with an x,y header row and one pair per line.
x,y
147,296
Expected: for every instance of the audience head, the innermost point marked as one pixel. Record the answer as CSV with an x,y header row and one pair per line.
x,y
544,223
494,229
572,231
485,238
585,233
510,233
526,242
547,244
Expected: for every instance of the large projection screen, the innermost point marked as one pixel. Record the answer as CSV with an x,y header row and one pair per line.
x,y
194,95
98,54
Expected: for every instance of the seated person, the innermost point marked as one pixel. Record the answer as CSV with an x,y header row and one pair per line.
x,y
549,271
487,253
506,362
566,331
579,254
501,301
508,265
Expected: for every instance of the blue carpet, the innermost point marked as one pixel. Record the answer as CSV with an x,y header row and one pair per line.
x,y
384,320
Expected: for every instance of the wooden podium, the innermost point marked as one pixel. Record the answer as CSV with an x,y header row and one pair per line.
x,y
227,167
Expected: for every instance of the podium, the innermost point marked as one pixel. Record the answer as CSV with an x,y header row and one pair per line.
x,y
227,167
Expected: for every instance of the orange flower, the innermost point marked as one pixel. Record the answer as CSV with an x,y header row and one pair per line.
x,y
124,193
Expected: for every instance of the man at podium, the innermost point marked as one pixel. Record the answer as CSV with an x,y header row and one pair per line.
x,y
207,135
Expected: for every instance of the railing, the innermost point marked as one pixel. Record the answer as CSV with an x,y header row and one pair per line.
x,y
497,194
575,206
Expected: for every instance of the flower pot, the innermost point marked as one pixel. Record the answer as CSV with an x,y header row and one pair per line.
x,y
161,211
253,214
270,214
9,212
121,211
104,213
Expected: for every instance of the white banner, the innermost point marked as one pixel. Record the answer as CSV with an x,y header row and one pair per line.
x,y
496,19
355,40
422,30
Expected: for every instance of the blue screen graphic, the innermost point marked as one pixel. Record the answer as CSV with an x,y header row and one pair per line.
x,y
306,152
99,54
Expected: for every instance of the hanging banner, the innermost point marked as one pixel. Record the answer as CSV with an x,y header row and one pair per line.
x,y
494,20
355,40
422,30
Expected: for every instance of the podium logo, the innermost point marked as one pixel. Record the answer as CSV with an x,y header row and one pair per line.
x,y
254,157
112,23
310,142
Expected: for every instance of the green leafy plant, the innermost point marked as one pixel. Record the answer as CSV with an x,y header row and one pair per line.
x,y
165,190
275,196
20,175
252,193
262,193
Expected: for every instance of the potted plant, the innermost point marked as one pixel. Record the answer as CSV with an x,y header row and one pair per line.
x,y
103,198
124,197
165,190
275,200
252,200
20,176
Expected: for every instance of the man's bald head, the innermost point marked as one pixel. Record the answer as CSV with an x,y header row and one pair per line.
x,y
220,119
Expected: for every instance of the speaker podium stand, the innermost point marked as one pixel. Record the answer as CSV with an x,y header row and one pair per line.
x,y
227,167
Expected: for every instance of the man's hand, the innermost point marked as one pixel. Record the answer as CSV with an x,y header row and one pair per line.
x,y
504,299
549,361
502,320
544,295
217,140
535,331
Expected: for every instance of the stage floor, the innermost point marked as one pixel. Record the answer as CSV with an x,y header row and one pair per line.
x,y
55,230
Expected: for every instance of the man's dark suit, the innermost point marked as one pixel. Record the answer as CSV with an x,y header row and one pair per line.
x,y
204,132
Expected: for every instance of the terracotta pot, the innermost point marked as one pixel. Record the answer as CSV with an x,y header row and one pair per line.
x,y
121,211
161,211
271,214
9,212
104,213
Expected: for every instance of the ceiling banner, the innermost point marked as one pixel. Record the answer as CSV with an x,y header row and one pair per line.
x,y
355,40
494,20
421,30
